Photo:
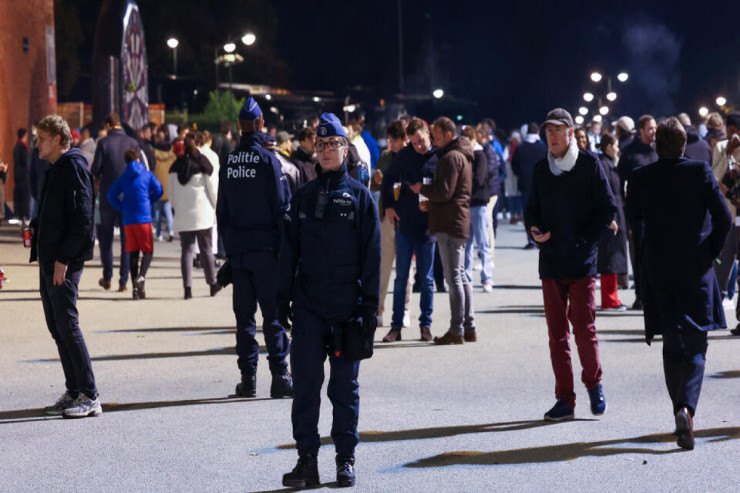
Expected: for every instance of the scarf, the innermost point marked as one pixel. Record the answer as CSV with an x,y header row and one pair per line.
x,y
188,165
560,165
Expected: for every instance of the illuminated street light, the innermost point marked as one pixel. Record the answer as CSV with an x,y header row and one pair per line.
x,y
703,111
579,120
229,47
622,77
438,93
268,97
588,97
604,110
583,110
249,39
172,43
612,96
596,77
721,101
597,118
316,99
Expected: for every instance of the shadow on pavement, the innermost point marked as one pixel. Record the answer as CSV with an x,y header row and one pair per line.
x,y
200,328
515,286
28,415
571,451
230,351
727,374
442,432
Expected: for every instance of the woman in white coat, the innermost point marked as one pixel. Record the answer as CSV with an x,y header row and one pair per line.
x,y
193,197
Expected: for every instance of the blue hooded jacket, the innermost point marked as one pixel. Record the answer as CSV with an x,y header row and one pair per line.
x,y
140,188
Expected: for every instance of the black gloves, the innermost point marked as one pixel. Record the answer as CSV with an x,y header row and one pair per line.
x,y
223,277
284,314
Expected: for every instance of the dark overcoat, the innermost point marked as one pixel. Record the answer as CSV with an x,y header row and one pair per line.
x,y
612,256
686,222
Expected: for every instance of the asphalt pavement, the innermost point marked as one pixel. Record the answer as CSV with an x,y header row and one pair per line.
x,y
453,418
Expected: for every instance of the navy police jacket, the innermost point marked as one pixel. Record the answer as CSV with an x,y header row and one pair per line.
x,y
330,255
253,195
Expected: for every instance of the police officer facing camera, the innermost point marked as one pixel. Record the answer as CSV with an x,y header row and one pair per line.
x,y
253,195
330,271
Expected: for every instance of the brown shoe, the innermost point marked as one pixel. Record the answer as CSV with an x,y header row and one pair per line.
x,y
447,339
470,336
122,288
684,429
104,284
426,334
393,335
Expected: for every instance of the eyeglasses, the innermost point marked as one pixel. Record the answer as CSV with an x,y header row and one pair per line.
x,y
333,145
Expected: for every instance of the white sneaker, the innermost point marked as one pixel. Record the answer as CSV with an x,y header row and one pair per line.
x,y
406,320
160,238
379,321
64,402
728,303
487,287
83,406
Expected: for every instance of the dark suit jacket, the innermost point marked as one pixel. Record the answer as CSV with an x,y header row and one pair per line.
x,y
109,162
686,223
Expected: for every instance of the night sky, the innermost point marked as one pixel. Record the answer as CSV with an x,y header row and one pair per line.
x,y
515,60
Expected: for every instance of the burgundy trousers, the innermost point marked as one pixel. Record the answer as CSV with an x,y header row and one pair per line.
x,y
572,300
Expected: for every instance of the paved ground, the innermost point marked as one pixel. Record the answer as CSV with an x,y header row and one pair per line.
x,y
466,418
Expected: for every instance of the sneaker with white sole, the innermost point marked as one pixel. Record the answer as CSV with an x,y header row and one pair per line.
x,y
83,406
487,287
406,320
64,402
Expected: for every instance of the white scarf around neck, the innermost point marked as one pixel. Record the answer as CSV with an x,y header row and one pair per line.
x,y
560,165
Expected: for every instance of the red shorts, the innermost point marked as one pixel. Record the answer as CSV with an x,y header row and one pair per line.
x,y
139,237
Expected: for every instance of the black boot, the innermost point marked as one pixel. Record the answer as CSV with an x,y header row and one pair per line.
x,y
282,386
188,293
305,474
247,387
345,471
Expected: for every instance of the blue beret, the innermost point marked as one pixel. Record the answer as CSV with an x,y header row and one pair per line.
x,y
330,126
250,111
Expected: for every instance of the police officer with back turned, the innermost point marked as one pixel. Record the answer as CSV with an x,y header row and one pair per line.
x,y
252,198
330,270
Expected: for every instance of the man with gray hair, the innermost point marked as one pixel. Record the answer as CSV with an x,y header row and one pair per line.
x,y
65,222
685,227
570,207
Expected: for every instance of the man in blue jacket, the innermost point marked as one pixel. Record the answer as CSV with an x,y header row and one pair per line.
x,y
62,242
140,189
253,195
686,222
569,208
330,271
414,163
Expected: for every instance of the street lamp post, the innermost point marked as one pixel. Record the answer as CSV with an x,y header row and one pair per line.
x,y
611,96
172,43
231,58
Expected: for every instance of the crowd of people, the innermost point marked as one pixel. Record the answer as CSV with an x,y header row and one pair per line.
x,y
310,225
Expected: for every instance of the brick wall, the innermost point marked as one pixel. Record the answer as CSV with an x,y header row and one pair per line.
x,y
26,94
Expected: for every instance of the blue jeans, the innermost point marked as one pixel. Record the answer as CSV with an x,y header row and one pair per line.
x,y
479,231
406,247
162,206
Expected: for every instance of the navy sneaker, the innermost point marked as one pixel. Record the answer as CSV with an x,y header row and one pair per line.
x,y
561,411
598,402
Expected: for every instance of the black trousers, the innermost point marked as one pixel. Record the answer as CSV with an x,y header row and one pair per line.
x,y
684,357
62,319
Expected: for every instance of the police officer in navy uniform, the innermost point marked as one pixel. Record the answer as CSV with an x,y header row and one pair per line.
x,y
330,271
253,196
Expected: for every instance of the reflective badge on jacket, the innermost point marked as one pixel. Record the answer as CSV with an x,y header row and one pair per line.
x,y
242,172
